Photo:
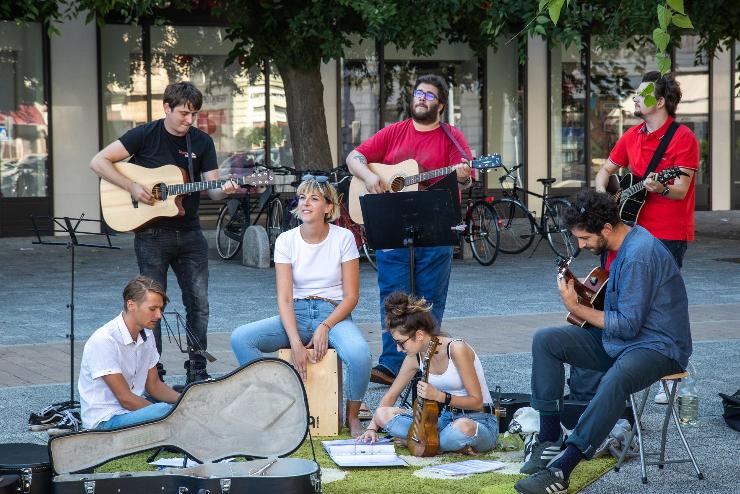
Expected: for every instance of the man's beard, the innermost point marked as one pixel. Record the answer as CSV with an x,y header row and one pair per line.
x,y
600,247
639,114
427,116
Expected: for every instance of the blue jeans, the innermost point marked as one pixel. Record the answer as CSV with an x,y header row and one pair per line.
x,y
250,341
450,437
151,412
677,248
187,252
431,277
630,372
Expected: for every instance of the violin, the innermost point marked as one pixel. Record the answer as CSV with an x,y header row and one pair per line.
x,y
423,436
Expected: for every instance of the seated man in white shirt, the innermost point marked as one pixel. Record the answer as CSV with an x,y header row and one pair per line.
x,y
119,363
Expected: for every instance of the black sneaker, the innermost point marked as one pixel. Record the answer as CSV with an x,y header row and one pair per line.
x,y
195,372
70,422
49,416
547,481
538,455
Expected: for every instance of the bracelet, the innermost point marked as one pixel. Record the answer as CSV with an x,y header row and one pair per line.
x,y
371,429
325,324
665,191
448,399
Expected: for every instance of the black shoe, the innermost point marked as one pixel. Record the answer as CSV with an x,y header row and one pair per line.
x,y
548,481
195,372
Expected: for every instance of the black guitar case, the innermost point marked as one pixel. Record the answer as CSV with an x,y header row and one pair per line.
x,y
259,411
24,467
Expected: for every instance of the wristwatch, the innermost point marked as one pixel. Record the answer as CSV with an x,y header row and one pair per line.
x,y
665,191
448,399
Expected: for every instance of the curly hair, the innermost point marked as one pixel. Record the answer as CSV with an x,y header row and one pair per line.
x,y
591,211
666,87
438,82
407,314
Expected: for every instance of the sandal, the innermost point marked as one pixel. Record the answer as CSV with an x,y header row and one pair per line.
x,y
364,413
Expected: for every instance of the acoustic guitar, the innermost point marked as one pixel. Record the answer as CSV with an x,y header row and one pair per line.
x,y
590,290
630,192
166,184
423,436
406,176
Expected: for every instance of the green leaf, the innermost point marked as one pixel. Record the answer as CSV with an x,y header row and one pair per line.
x,y
664,17
540,29
650,100
542,5
554,9
664,63
676,5
682,20
661,39
648,90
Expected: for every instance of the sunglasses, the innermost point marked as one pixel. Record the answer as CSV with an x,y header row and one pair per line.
x,y
401,343
321,179
425,95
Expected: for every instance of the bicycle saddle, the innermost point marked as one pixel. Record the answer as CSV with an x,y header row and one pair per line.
x,y
547,181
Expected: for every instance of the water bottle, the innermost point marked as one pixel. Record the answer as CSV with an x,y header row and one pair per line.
x,y
688,402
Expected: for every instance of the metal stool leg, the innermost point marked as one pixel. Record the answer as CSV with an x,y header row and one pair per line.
x,y
664,433
637,413
673,412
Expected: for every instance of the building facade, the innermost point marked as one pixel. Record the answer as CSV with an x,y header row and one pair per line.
x,y
63,98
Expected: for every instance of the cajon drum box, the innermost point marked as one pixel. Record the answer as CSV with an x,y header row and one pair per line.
x,y
324,390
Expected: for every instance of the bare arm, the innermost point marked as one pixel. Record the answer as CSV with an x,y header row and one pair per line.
x,y
464,358
123,393
602,178
158,389
357,164
677,191
102,165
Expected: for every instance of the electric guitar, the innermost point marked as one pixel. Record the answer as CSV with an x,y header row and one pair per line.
x,y
631,193
166,184
590,290
406,176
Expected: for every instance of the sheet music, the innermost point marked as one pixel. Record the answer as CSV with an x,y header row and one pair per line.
x,y
350,453
466,467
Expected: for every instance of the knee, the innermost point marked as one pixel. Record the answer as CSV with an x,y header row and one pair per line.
x,y
240,337
383,415
541,340
466,426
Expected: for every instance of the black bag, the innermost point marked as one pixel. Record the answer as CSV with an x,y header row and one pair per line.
x,y
732,409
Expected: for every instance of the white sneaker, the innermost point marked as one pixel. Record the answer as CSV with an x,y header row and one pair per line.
x,y
661,398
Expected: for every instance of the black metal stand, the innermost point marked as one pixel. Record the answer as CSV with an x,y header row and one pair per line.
x,y
69,226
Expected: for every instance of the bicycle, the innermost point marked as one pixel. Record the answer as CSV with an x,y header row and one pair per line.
x,y
518,226
234,217
481,229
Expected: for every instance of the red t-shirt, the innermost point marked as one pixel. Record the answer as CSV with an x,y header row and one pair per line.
x,y
401,141
664,218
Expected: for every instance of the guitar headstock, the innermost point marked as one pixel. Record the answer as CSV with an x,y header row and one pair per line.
x,y
669,174
487,161
262,178
563,264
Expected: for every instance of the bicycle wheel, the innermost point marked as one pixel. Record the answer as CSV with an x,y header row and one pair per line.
x,y
230,231
515,225
365,249
274,221
483,233
561,241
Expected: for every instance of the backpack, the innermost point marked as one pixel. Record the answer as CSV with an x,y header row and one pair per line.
x,y
732,409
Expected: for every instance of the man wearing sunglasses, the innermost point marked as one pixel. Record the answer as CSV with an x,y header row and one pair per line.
x,y
424,139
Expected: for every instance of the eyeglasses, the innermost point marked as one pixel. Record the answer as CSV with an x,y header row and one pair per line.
x,y
401,343
321,179
426,95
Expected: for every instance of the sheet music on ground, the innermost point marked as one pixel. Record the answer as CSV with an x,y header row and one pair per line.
x,y
350,453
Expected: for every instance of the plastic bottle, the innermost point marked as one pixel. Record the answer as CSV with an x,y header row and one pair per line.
x,y
688,401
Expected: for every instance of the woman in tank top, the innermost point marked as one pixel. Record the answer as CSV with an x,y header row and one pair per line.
x,y
456,381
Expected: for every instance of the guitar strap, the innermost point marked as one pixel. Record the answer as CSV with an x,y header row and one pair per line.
x,y
446,129
191,170
661,148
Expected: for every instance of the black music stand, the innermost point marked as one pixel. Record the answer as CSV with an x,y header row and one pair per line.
x,y
410,219
65,224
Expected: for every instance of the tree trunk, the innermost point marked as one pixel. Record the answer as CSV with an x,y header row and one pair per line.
x,y
304,94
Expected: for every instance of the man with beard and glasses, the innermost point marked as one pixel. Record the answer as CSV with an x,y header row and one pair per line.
x,y
423,139
641,335
668,212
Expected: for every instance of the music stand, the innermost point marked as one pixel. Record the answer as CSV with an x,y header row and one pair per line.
x,y
65,224
410,219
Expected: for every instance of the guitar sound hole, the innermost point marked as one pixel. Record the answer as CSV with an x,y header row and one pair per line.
x,y
397,184
157,192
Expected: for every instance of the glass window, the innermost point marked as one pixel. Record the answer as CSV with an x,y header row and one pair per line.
x,y
24,165
736,133
462,71
567,116
359,95
693,110
504,100
615,75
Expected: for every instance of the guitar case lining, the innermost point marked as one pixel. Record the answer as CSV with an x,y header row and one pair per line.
x,y
259,411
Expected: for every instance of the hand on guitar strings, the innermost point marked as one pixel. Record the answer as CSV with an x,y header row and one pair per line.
x,y
463,172
429,392
567,293
139,193
230,186
652,185
375,185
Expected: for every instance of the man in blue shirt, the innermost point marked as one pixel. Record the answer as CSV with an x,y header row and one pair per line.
x,y
641,335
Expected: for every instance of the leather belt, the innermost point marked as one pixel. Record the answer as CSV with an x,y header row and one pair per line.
x,y
487,408
315,297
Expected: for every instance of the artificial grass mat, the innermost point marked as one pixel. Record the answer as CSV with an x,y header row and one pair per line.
x,y
403,480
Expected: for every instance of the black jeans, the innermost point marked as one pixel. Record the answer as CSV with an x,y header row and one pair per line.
x,y
187,252
677,248
629,372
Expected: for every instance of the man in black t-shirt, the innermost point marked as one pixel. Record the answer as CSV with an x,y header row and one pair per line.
x,y
176,241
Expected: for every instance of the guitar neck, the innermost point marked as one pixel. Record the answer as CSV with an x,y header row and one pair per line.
x,y
187,188
633,189
415,179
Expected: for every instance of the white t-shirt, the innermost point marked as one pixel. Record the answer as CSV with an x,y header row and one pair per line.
x,y
111,350
317,268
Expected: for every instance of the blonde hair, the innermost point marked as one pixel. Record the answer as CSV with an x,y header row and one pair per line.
x,y
324,189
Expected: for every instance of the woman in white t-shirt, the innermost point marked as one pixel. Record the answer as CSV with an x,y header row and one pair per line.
x,y
318,277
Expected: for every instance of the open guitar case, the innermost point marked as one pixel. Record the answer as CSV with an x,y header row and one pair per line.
x,y
259,411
